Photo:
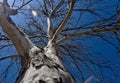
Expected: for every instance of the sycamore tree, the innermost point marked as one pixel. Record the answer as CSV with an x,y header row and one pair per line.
x,y
45,40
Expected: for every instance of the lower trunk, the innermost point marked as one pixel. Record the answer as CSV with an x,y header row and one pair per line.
x,y
44,67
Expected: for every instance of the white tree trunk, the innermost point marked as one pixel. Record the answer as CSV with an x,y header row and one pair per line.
x,y
45,67
38,65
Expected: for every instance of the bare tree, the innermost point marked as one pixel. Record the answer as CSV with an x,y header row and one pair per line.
x,y
41,52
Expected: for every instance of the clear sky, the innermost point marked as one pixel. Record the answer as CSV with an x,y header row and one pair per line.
x,y
102,51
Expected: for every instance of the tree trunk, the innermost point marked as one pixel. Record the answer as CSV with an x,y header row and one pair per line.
x,y
39,65
45,67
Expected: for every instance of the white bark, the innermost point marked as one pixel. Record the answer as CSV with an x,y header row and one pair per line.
x,y
50,28
42,65
45,67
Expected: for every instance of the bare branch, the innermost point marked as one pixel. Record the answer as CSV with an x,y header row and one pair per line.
x,y
1,47
86,32
13,3
11,56
24,4
117,36
7,9
56,8
5,38
109,42
5,2
50,28
21,41
59,29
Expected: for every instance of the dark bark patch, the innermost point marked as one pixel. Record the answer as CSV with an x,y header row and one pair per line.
x,y
38,67
41,81
60,80
10,20
35,76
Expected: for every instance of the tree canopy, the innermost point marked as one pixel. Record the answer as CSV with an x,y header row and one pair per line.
x,y
87,31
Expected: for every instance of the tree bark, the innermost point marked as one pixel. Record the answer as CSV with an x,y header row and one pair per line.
x,y
45,67
39,65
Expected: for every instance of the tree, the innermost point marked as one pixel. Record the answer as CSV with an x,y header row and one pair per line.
x,y
43,64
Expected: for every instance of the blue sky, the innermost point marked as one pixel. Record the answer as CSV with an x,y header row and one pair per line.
x,y
101,49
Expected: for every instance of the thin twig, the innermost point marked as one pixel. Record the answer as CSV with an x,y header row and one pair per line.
x,y
56,8
24,4
13,3
11,56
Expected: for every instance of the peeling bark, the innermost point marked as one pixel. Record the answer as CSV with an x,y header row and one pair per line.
x,y
45,67
39,65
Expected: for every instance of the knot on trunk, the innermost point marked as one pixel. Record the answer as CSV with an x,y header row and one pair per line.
x,y
34,51
45,69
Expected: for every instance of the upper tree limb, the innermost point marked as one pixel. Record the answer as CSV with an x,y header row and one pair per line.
x,y
21,41
64,21
85,33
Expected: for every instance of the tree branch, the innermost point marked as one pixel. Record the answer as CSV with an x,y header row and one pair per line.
x,y
56,8
50,28
59,29
21,41
86,32
7,9
11,56
24,4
